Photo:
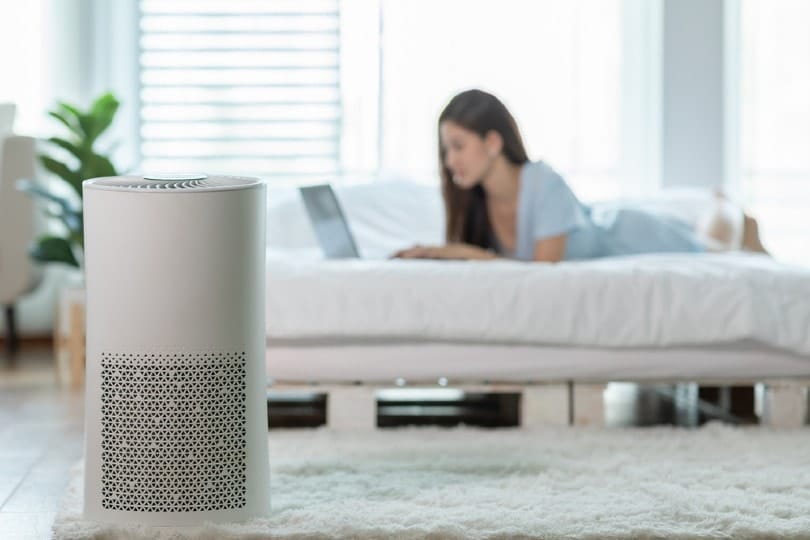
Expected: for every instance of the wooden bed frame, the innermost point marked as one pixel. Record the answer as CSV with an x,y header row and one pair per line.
x,y
352,406
560,398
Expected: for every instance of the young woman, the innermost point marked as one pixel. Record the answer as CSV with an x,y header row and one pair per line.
x,y
500,204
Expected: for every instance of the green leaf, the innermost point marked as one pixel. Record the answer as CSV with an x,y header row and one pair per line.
x,y
77,237
85,121
61,170
77,152
85,127
70,109
96,166
105,102
53,249
103,111
73,127
89,125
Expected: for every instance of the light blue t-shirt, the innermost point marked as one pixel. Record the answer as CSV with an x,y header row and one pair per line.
x,y
547,207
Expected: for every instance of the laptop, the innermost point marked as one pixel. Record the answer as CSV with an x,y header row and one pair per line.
x,y
329,222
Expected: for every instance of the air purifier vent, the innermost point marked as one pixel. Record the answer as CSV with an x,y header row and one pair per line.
x,y
174,432
171,183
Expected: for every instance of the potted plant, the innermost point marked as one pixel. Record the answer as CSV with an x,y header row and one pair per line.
x,y
83,162
84,129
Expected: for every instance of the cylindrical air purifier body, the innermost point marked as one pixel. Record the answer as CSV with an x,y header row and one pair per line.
x,y
176,411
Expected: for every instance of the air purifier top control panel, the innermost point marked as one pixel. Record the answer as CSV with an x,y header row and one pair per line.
x,y
172,183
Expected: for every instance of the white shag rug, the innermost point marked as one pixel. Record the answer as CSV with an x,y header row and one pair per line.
x,y
712,482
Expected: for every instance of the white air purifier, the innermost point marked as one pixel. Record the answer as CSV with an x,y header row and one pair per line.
x,y
176,407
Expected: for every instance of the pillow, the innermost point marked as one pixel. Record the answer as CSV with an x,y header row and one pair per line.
x,y
384,216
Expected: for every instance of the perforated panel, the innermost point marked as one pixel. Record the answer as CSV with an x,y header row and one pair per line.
x,y
173,432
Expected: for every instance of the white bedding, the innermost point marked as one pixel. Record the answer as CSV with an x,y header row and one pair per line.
x,y
640,301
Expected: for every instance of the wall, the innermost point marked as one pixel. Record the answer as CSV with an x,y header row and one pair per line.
x,y
693,89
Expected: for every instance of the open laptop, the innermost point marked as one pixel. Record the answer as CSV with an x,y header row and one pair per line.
x,y
329,222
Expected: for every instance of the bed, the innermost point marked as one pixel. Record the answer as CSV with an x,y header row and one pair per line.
x,y
557,334
720,318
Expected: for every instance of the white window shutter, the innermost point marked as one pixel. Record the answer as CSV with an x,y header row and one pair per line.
x,y
245,87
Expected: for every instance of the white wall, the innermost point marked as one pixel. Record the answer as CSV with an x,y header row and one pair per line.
x,y
693,91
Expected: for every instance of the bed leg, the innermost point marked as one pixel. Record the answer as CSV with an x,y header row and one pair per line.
x,y
543,405
351,408
785,404
589,404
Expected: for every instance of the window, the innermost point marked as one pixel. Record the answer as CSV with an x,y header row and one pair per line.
x,y
558,66
298,91
21,53
240,86
775,122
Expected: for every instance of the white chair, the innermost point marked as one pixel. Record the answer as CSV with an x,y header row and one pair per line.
x,y
19,274
7,113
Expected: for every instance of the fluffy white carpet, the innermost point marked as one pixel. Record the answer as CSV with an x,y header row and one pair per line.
x,y
713,482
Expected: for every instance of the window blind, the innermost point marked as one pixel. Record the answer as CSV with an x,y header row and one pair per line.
x,y
246,87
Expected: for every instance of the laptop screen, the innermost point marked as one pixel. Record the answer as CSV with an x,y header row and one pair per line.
x,y
329,223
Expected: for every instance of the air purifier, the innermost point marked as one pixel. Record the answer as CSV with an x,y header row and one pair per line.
x,y
176,410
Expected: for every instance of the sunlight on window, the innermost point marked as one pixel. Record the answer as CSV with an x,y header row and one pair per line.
x,y
556,65
21,64
775,123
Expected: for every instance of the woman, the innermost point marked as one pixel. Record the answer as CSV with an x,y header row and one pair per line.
x,y
500,204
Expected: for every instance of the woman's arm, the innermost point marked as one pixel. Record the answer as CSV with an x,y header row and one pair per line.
x,y
551,249
450,251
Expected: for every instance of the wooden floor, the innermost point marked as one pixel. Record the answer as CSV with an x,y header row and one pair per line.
x,y
41,430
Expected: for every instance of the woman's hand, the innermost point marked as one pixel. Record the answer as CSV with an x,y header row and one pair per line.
x,y
450,251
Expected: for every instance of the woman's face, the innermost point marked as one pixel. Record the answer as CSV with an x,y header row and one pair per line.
x,y
468,155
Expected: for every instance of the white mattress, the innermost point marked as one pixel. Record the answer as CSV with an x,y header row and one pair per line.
x,y
377,362
649,301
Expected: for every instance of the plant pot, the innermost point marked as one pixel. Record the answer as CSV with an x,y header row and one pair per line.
x,y
69,333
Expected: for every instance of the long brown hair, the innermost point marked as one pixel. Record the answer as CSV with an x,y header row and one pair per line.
x,y
466,209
